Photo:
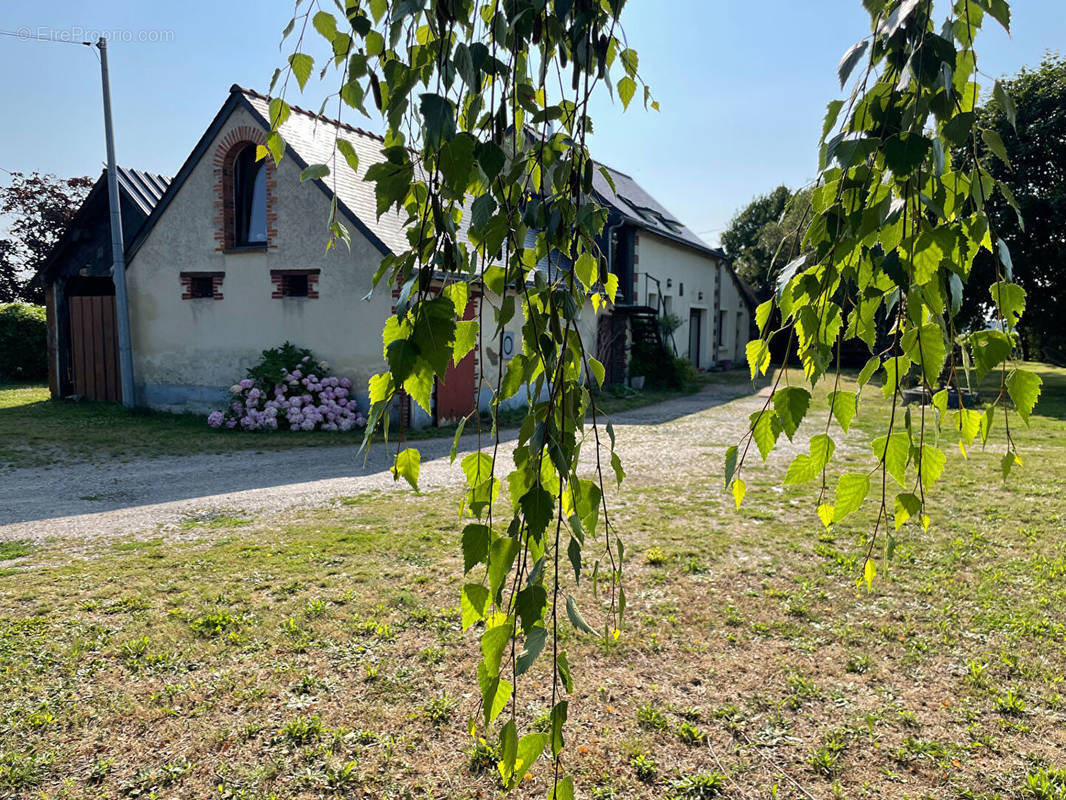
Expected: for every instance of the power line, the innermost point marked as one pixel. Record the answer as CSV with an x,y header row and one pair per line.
x,y
24,34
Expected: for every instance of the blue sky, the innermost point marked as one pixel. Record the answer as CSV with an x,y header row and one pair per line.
x,y
742,86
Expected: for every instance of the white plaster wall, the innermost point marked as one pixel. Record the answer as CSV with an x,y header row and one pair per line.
x,y
696,272
185,351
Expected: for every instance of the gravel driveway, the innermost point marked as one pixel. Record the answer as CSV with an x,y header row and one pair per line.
x,y
146,496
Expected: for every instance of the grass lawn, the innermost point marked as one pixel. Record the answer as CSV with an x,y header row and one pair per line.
x,y
36,431
320,655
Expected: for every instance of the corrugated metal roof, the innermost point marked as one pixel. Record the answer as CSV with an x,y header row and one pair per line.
x,y
144,188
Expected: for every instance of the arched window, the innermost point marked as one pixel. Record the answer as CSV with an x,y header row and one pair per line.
x,y
249,199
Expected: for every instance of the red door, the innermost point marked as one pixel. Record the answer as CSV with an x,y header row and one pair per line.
x,y
456,393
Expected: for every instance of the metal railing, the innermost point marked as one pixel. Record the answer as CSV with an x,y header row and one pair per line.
x,y
660,303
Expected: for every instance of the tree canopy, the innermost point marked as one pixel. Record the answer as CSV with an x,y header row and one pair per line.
x,y
41,207
1028,117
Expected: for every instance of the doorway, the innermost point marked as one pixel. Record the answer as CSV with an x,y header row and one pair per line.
x,y
695,335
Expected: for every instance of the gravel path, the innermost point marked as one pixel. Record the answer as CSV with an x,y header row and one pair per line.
x,y
148,496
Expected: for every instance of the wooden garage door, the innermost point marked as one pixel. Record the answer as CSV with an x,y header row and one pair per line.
x,y
94,348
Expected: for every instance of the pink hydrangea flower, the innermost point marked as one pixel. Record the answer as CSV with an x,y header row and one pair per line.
x,y
214,419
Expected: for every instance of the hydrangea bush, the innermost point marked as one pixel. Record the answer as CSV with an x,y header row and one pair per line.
x,y
290,389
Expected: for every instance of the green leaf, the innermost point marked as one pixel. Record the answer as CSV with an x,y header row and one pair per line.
x,y
501,557
758,353
1024,390
826,513
563,790
495,693
407,466
931,464
1009,460
994,143
301,64
465,339
530,748
730,464
762,315
438,119
630,61
279,112
530,603
906,506
627,87
575,616
852,488
808,466
1006,104
346,150
558,718
895,452
535,640
765,430
868,371
493,643
474,603
904,152
597,370
538,506
968,423
925,347
587,270
843,406
1010,300
314,172
791,404
896,369
990,349
455,440
475,546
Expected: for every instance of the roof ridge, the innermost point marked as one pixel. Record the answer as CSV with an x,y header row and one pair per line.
x,y
236,88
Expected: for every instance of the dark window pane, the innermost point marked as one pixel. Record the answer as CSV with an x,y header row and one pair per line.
x,y
249,198
201,287
294,285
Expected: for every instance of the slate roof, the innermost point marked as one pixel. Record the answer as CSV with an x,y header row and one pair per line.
x,y
636,206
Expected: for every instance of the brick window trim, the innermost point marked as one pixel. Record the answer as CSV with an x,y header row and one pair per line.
x,y
278,276
235,140
216,284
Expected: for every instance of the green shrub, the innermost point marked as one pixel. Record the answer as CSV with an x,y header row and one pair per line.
x,y
23,342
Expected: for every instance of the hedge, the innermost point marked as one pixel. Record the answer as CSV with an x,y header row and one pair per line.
x,y
23,342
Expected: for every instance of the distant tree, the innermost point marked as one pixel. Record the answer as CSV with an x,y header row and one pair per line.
x,y
761,236
40,207
1036,176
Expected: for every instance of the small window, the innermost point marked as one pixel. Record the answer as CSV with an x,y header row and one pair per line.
x,y
249,199
294,286
294,283
201,285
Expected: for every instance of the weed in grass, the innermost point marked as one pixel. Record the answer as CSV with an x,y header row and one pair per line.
x,y
15,548
431,655
212,626
316,608
651,718
689,734
1045,784
824,761
339,779
482,757
859,664
100,769
655,556
1010,704
440,710
700,786
800,691
644,767
303,730
976,673
732,617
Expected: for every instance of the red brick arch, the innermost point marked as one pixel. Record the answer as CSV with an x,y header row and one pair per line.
x,y
235,140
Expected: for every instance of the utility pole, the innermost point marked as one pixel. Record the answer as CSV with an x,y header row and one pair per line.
x,y
118,249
